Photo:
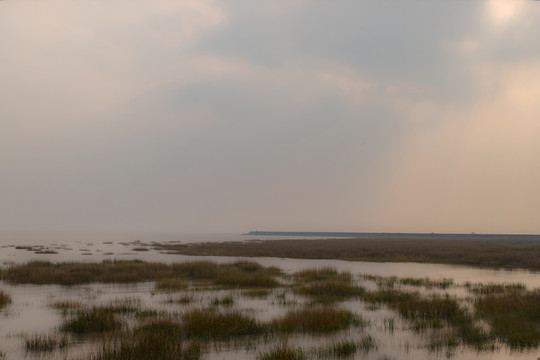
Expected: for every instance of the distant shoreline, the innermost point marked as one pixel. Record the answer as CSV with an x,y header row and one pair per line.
x,y
506,252
384,235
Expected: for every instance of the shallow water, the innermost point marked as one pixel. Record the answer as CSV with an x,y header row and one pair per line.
x,y
31,313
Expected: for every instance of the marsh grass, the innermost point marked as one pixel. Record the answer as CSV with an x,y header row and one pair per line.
x,y
514,316
316,320
163,340
223,301
427,283
326,285
338,349
283,352
92,320
446,343
208,324
434,312
257,293
367,343
43,343
493,288
171,284
5,299
503,253
237,275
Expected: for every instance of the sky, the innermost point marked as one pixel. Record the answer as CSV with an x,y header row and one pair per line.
x,y
230,116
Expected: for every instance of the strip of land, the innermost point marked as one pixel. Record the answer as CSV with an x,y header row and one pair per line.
x,y
491,253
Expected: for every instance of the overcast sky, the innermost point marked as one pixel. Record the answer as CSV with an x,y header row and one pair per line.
x,y
229,116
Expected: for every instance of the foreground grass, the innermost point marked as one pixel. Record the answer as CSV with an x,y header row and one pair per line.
x,y
283,352
514,316
163,340
49,342
93,320
316,320
206,324
434,312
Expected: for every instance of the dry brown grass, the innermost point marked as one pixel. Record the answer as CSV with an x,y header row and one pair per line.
x,y
494,253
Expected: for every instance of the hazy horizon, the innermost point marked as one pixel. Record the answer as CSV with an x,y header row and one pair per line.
x,y
231,116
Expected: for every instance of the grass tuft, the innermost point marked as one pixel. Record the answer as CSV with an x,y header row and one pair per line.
x,y
5,299
283,352
93,320
316,320
215,325
39,343
162,340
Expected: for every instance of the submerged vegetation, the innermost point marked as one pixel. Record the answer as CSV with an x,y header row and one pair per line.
x,y
4,299
162,340
316,320
201,306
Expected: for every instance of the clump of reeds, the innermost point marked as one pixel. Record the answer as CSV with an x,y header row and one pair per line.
x,y
492,288
163,339
432,312
171,284
207,324
338,349
367,343
95,319
446,343
326,285
514,317
427,283
65,305
316,320
256,293
283,352
238,274
385,282
321,274
224,301
44,272
37,343
4,299
183,299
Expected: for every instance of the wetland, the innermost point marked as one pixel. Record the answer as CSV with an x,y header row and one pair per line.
x,y
148,304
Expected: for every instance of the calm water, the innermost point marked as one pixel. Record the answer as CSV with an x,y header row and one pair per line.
x,y
30,312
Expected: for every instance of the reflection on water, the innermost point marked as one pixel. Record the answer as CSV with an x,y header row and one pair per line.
x,y
31,311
